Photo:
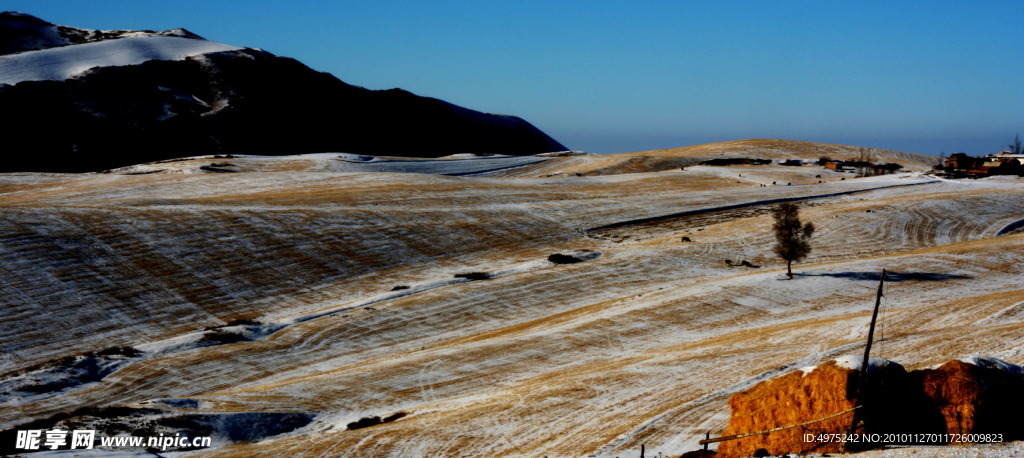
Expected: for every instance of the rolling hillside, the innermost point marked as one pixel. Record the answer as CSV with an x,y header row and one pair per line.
x,y
328,288
673,159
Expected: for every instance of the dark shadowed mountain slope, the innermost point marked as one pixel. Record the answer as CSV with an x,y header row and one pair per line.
x,y
21,32
236,102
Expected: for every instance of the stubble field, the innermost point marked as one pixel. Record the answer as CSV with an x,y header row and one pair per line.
x,y
338,287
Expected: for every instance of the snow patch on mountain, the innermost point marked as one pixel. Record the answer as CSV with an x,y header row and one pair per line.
x,y
20,32
69,61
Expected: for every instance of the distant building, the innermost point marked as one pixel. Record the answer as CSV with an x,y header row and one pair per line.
x,y
1004,157
1004,163
961,162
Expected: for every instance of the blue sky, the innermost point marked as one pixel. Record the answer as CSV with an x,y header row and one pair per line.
x,y
612,77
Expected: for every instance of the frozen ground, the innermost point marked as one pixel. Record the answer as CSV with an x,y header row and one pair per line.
x,y
310,285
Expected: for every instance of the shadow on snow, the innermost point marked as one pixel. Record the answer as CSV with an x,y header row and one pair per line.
x,y
890,276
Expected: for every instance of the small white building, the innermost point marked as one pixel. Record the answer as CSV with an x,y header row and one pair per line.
x,y
1003,156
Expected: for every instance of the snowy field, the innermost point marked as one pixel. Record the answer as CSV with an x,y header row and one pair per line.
x,y
339,287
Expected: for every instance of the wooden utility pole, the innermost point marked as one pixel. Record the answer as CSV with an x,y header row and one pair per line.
x,y
856,401
867,353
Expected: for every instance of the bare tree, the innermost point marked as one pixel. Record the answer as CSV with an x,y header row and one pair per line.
x,y
864,162
793,237
1015,146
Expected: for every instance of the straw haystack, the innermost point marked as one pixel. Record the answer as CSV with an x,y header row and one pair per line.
x,y
980,395
699,454
890,401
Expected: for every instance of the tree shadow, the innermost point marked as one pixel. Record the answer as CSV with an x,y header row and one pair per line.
x,y
890,276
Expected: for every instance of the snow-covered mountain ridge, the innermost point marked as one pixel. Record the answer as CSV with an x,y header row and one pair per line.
x,y
84,101
20,32
65,62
